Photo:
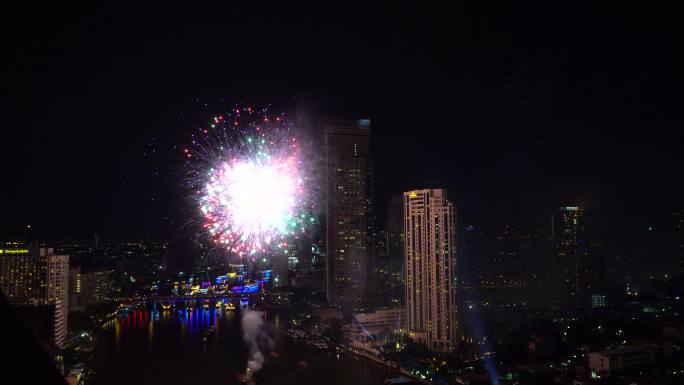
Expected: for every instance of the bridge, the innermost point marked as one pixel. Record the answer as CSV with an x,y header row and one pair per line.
x,y
169,299
210,297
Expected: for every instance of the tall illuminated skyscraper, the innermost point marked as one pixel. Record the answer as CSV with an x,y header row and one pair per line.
x,y
348,198
430,249
569,262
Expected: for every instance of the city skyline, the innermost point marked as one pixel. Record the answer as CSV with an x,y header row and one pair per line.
x,y
329,193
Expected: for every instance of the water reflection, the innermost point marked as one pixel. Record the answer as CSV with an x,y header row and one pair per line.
x,y
188,344
191,317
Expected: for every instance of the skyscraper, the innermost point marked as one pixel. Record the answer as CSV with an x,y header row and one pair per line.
x,y
388,263
58,291
677,243
430,248
569,258
348,211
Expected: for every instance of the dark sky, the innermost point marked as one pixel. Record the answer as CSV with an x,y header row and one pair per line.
x,y
511,107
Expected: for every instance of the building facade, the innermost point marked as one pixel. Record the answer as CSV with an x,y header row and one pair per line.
x,y
21,275
348,209
377,326
430,249
623,357
87,288
36,277
570,257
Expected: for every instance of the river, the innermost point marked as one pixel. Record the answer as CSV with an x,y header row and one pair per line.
x,y
169,347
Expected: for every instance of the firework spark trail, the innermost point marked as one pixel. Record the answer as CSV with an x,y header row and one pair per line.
x,y
250,181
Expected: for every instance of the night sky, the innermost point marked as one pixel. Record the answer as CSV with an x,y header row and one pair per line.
x,y
514,109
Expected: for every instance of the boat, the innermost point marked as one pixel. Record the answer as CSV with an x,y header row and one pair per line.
x,y
209,331
123,312
244,379
400,381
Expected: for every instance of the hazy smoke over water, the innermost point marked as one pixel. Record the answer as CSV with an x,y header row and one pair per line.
x,y
256,338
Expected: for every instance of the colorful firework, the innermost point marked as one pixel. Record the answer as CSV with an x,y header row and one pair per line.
x,y
252,190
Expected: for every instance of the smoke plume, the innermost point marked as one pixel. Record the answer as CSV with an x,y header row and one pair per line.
x,y
256,338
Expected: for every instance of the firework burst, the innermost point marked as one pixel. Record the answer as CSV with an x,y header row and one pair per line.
x,y
249,181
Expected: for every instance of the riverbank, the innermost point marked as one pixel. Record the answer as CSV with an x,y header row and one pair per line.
x,y
359,352
169,347
355,351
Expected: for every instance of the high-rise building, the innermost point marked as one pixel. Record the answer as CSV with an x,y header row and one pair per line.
x,y
87,288
678,238
388,272
22,277
469,261
57,276
430,249
349,213
58,291
38,277
570,257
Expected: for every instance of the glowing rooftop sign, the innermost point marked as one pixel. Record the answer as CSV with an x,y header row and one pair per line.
x,y
14,251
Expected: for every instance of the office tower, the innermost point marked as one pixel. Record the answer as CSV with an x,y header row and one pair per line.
x,y
430,248
569,258
348,199
87,288
388,272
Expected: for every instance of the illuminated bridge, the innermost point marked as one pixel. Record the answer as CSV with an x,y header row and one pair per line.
x,y
214,299
206,297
